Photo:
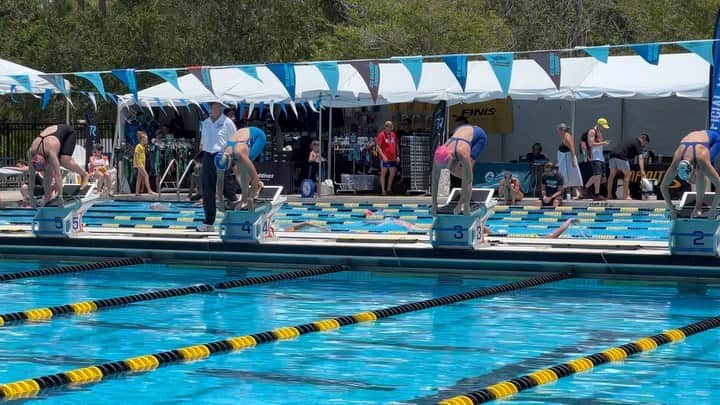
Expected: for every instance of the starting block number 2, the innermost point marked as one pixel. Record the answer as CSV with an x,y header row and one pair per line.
x,y
699,237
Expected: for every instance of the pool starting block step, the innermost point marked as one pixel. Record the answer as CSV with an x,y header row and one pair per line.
x,y
64,222
253,226
694,236
462,231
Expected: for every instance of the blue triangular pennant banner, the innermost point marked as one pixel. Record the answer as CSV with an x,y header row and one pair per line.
x,y
24,81
283,108
183,102
550,63
703,49
127,76
261,110
112,97
600,53
169,75
285,72
58,81
458,66
250,71
501,64
414,65
160,104
203,74
96,80
206,107
649,52
46,98
331,74
241,110
91,96
12,94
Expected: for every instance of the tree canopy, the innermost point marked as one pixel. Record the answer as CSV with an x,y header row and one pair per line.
x,y
87,35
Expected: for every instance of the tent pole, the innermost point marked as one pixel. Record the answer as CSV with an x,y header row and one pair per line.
x,y
67,112
572,115
320,140
330,155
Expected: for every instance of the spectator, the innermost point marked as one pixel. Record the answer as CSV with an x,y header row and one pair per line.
x,y
405,128
99,168
594,143
620,161
552,187
567,160
315,160
536,155
162,134
509,189
142,177
388,150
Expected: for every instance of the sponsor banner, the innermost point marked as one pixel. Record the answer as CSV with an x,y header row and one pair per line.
x,y
277,174
495,116
489,174
654,172
714,97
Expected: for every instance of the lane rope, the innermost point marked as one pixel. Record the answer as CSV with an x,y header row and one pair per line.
x,y
92,374
509,388
79,308
75,268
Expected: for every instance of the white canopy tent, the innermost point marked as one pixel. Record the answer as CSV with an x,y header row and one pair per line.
x,y
682,75
8,69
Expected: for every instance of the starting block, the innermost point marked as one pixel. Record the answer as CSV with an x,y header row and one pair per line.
x,y
694,236
253,226
64,222
462,231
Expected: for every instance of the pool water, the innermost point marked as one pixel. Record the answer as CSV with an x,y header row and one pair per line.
x,y
413,219
419,357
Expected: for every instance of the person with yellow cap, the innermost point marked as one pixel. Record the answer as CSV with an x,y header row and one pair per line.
x,y
593,144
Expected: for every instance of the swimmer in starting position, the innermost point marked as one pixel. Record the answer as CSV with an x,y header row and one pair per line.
x,y
459,154
50,150
243,147
693,162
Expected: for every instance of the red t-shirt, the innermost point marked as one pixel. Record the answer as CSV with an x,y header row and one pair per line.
x,y
388,145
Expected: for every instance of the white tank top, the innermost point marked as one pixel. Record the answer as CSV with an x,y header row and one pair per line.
x,y
597,153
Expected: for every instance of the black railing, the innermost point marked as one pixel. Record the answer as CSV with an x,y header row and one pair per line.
x,y
16,137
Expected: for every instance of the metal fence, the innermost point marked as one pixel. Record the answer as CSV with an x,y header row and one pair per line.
x,y
16,137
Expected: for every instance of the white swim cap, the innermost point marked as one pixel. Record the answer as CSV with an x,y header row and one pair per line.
x,y
685,170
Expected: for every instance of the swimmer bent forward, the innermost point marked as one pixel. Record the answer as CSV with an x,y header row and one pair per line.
x,y
242,147
459,154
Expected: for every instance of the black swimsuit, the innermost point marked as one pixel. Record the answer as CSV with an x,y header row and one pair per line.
x,y
66,136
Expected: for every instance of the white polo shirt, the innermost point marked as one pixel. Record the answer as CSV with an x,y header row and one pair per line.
x,y
214,135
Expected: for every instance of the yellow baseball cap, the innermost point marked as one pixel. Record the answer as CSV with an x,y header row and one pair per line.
x,y
603,123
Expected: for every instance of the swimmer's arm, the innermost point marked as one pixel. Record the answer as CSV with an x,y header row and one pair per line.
x,y
571,146
54,164
31,186
641,163
665,187
467,183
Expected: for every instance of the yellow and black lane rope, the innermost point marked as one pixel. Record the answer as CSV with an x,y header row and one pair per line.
x,y
44,314
511,387
75,268
30,387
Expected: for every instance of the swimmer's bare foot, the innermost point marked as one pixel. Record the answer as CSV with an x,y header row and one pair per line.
x,y
628,198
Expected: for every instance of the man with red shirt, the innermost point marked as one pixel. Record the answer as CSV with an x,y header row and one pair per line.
x,y
387,145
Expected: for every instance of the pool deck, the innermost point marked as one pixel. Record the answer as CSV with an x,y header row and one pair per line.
x,y
376,251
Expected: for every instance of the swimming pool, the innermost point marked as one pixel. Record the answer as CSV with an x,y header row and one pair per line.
x,y
380,218
418,357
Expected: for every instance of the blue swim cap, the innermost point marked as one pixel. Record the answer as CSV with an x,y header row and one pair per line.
x,y
685,170
221,161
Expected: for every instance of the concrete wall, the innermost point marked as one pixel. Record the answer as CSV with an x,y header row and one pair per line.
x,y
666,120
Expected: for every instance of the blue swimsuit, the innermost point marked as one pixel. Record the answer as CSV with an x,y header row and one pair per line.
x,y
477,144
256,142
713,145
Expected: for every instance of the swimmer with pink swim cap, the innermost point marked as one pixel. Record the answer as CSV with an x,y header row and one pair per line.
x,y
459,155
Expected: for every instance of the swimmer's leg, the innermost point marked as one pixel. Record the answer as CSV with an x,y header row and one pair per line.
x,y
70,164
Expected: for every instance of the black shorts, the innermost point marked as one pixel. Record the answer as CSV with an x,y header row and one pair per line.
x,y
550,204
66,135
598,167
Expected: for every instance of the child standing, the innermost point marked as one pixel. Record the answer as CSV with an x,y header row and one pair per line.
x,y
139,164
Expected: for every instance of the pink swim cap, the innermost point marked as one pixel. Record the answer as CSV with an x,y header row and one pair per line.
x,y
38,162
442,155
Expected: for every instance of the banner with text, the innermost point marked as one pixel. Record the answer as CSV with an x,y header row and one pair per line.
x,y
495,116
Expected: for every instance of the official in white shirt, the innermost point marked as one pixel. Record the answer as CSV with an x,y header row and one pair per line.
x,y
215,131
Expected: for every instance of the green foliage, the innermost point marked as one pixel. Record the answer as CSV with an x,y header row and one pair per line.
x,y
87,35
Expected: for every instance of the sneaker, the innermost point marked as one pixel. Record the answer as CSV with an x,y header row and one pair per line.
x,y
205,228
